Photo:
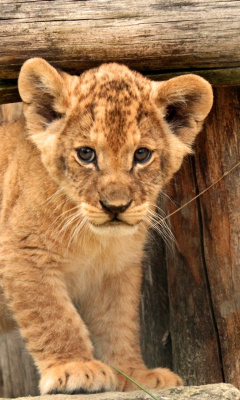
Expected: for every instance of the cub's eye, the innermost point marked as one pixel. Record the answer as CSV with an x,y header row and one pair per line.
x,y
86,154
142,155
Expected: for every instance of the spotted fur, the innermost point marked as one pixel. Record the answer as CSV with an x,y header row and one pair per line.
x,y
72,232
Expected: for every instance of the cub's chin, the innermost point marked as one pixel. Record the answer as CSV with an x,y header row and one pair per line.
x,y
114,229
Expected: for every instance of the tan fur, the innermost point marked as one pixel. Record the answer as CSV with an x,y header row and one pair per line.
x,y
60,249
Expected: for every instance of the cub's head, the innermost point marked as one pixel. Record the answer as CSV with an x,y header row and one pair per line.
x,y
111,138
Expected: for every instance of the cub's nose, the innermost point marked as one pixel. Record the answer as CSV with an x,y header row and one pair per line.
x,y
113,208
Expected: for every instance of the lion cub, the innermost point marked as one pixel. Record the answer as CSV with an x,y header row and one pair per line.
x,y
80,177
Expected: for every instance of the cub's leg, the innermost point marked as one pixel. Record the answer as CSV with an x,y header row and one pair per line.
x,y
53,330
112,316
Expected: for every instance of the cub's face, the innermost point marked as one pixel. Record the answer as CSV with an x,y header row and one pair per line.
x,y
111,138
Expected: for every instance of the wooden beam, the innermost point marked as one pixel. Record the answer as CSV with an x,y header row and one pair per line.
x,y
9,92
147,35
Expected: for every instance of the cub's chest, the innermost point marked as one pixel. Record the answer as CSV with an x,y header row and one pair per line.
x,y
96,260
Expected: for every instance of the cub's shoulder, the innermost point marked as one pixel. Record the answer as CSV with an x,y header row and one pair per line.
x,y
13,143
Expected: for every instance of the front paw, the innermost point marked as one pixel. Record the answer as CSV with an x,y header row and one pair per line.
x,y
157,378
78,377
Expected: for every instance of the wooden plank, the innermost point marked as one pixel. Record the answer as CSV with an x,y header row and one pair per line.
x,y
204,274
146,35
19,377
155,329
196,355
220,214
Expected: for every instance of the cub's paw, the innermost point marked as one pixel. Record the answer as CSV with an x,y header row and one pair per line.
x,y
157,378
78,377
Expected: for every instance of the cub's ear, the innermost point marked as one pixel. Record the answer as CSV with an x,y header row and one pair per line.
x,y
43,90
185,102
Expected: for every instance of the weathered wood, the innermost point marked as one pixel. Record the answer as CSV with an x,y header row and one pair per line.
x,y
194,338
155,330
220,215
204,283
146,35
18,375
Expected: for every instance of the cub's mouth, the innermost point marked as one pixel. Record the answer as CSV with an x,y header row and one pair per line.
x,y
114,222
113,227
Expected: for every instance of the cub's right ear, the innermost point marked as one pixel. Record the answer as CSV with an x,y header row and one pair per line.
x,y
43,90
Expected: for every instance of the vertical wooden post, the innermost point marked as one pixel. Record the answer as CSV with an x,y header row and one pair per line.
x,y
220,215
204,274
194,337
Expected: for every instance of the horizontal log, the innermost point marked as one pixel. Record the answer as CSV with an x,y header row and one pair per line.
x,y
147,35
217,77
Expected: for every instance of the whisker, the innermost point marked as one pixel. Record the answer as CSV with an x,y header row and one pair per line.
x,y
163,194
75,231
55,194
159,209
66,223
161,227
79,222
148,230
60,216
60,220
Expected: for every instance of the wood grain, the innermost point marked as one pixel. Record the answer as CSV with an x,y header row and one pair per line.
x,y
155,329
194,335
220,215
18,376
146,35
204,274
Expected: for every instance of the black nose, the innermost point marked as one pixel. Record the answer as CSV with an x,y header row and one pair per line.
x,y
115,209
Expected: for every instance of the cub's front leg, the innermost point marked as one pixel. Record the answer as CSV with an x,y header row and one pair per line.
x,y
114,324
54,332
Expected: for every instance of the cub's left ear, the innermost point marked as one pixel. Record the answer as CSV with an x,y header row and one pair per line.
x,y
185,102
43,90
